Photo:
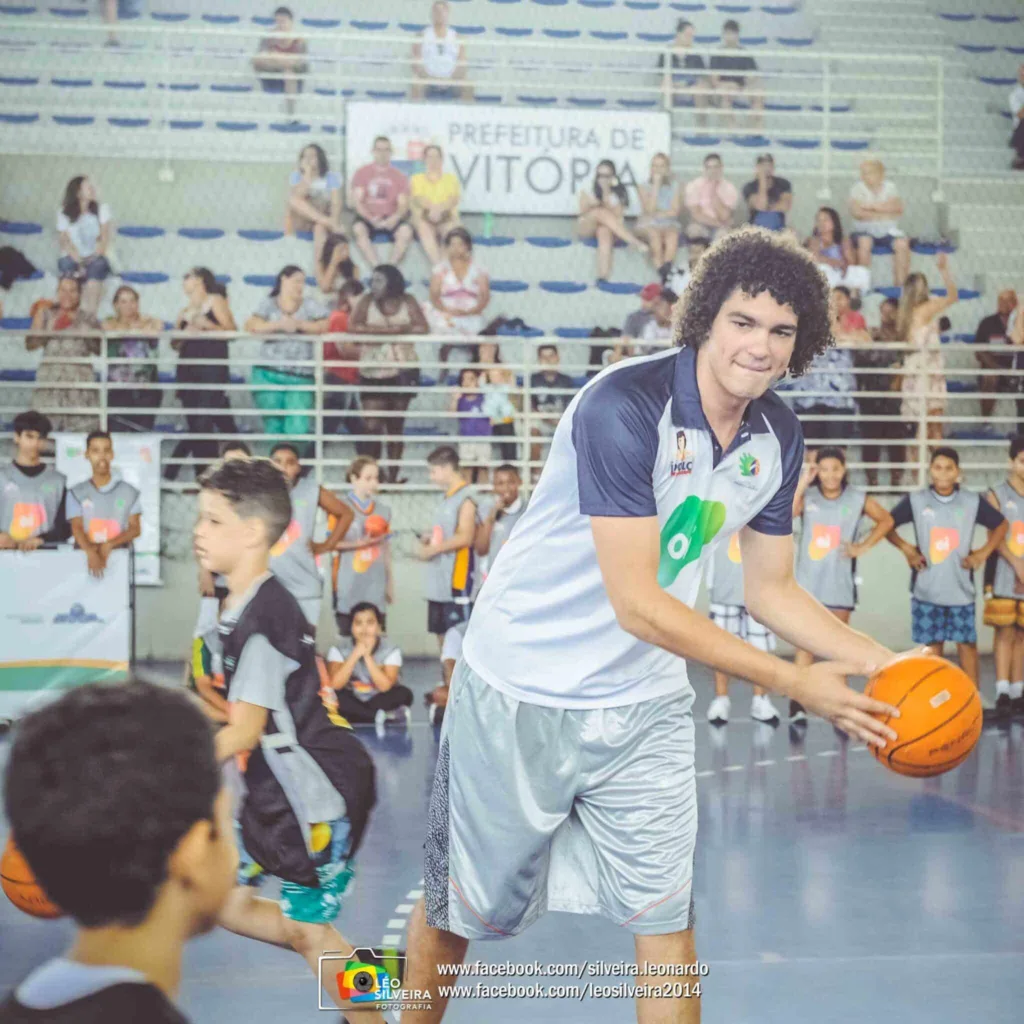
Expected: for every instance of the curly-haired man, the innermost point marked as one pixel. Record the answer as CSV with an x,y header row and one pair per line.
x,y
583,797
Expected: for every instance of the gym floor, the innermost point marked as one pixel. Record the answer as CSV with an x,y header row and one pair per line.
x,y
826,888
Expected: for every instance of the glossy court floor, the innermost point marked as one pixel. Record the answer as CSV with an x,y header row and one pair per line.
x,y
827,889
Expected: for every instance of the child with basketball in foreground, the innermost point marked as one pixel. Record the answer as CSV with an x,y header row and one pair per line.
x,y
830,510
1004,608
942,584
115,797
309,782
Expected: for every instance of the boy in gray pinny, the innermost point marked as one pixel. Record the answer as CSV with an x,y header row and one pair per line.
x,y
1004,589
104,513
943,564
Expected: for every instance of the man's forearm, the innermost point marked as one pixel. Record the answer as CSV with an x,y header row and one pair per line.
x,y
791,612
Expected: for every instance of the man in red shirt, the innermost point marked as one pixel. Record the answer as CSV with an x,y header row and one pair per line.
x,y
380,198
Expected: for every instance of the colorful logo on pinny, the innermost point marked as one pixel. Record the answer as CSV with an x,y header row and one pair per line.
x,y
749,466
692,525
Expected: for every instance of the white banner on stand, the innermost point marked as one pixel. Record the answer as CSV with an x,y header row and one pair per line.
x,y
513,159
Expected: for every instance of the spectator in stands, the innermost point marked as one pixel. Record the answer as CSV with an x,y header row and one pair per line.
x,y
1017,113
678,279
661,204
603,216
994,330
833,252
634,325
113,10
439,57
282,55
343,376
768,198
67,360
681,83
847,322
84,229
314,199
31,492
876,207
880,357
435,196
335,268
380,198
207,311
729,86
924,383
547,404
474,426
655,334
500,405
387,310
711,201
460,290
287,310
826,416
132,343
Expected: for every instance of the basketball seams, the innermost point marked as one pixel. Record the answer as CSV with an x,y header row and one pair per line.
x,y
906,743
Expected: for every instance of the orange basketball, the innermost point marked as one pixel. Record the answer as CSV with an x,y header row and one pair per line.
x,y
940,715
21,886
376,526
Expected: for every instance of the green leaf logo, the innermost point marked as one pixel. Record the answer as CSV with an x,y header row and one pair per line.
x,y
689,528
749,466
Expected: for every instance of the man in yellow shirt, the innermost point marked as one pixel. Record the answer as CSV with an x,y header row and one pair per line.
x,y
435,203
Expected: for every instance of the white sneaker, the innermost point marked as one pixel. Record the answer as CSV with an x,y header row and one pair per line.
x,y
763,710
401,716
718,711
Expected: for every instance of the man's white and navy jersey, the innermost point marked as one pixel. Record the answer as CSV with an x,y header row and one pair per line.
x,y
634,443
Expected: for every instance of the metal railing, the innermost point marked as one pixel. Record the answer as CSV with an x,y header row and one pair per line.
x,y
172,77
330,446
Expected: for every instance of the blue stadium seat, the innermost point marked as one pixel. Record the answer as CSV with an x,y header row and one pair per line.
x,y
547,242
537,101
637,104
145,277
237,126
1002,19
992,80
551,3
260,280
609,37
69,12
701,140
754,40
482,98
170,16
656,37
889,292
642,5
1018,50
706,40
769,105
591,243
10,9
128,122
509,286
515,33
494,242
957,17
289,127
965,294
800,143
262,235
72,83
751,141
19,118
16,323
411,26
619,287
470,30
182,126
141,231
201,234
563,287
113,84
6,80
386,94
562,33
850,145
369,26
787,9
593,4
322,22
963,387
924,248
73,120
231,87
222,19
587,101
262,19
733,8
520,332
972,48
184,87
20,227
834,108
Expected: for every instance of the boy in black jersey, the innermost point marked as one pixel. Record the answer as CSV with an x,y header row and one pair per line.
x,y
114,796
309,782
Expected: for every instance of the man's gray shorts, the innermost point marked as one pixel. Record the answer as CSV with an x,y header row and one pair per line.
x,y
537,808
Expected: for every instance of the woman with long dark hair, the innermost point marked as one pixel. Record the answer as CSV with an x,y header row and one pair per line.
x,y
603,216
387,309
84,228
833,252
140,347
207,311
314,198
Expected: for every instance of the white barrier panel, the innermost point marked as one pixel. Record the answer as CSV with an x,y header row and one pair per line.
x,y
513,160
60,627
137,460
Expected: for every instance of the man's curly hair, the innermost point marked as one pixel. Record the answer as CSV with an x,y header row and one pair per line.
x,y
755,260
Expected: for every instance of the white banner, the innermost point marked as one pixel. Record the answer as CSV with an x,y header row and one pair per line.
x,y
137,460
513,159
59,626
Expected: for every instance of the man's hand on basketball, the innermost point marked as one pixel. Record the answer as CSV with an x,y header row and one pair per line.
x,y
916,560
826,694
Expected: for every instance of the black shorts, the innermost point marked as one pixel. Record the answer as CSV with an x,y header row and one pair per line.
x,y
344,621
442,615
374,230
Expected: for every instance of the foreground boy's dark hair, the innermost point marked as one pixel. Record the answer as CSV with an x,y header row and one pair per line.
x,y
255,488
101,786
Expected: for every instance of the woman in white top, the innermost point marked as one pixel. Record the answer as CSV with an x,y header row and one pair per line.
x,y
924,382
460,290
314,199
84,229
603,216
439,58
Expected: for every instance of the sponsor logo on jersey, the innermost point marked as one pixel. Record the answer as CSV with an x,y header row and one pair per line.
x,y
942,542
682,460
692,525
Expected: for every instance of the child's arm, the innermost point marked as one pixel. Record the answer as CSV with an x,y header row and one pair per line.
x,y
214,704
1017,564
389,579
807,477
383,676
124,538
482,537
465,531
97,563
343,514
246,723
341,671
902,514
997,527
884,524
